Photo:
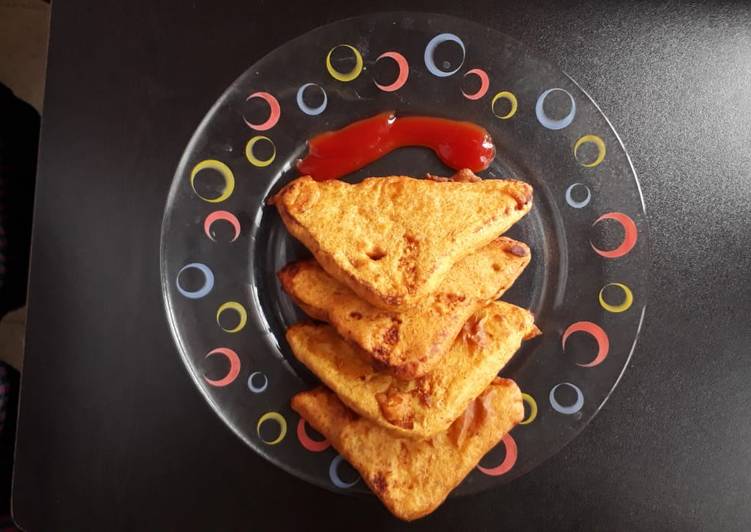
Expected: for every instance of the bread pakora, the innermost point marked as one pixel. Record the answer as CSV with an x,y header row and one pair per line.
x,y
392,240
425,406
410,343
413,477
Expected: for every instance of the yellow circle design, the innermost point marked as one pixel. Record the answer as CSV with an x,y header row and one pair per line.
x,y
344,76
623,307
532,408
597,141
505,95
255,161
237,307
275,416
223,169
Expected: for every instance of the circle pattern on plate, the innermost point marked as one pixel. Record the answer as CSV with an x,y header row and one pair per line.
x,y
275,111
272,417
550,123
484,84
221,215
250,153
253,380
305,108
242,316
508,96
314,446
401,77
225,307
208,281
429,56
345,76
234,367
223,170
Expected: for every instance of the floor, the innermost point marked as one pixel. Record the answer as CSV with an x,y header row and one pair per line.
x,y
24,28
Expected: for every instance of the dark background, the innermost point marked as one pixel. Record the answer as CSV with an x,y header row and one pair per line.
x,y
114,435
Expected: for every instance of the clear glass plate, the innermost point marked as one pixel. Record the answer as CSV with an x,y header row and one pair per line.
x,y
222,245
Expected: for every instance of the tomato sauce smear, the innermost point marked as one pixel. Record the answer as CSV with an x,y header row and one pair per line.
x,y
457,144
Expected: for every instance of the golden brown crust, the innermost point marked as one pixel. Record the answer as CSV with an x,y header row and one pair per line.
x,y
410,343
407,270
423,407
413,477
414,249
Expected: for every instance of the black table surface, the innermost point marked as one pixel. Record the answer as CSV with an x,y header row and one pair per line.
x,y
113,435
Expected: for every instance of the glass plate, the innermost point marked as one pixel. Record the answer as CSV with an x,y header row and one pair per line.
x,y
222,245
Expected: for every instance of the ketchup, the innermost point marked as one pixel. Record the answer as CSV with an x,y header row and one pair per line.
x,y
337,153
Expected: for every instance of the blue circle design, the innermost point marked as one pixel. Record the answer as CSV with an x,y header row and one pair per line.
x,y
578,204
334,475
430,50
549,122
208,283
568,410
305,108
258,389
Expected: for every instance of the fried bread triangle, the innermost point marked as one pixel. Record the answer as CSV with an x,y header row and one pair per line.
x,y
412,342
425,406
413,477
392,240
